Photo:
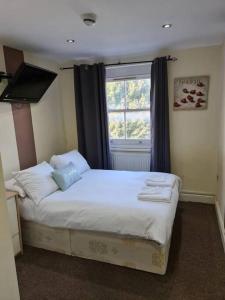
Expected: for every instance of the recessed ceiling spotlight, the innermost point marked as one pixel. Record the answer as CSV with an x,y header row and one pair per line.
x,y
89,19
71,41
166,25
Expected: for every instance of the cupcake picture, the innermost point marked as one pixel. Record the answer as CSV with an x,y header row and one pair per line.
x,y
191,93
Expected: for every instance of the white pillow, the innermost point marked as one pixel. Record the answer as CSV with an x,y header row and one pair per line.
x,y
37,181
12,185
60,161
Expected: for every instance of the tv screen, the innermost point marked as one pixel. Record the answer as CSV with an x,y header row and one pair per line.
x,y
28,85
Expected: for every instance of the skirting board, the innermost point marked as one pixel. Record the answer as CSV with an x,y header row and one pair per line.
x,y
201,198
220,223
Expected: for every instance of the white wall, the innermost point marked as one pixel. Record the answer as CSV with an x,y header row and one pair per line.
x,y
193,133
47,121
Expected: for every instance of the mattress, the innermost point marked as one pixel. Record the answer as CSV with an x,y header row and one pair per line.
x,y
106,201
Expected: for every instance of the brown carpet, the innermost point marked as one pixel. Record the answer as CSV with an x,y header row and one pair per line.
x,y
196,268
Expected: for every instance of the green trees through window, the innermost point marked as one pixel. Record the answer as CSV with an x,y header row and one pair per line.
x,y
129,108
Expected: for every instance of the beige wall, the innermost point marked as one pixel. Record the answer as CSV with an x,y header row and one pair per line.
x,y
8,279
193,133
8,147
221,152
47,120
68,104
47,115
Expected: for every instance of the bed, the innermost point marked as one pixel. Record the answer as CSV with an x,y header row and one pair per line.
x,y
99,217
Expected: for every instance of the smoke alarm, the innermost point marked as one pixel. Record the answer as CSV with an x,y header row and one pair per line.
x,y
89,19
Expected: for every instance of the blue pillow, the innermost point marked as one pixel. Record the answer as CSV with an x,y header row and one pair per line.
x,y
66,176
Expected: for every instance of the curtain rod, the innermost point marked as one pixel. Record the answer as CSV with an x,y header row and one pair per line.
x,y
169,58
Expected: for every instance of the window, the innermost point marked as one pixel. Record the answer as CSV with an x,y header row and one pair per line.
x,y
128,102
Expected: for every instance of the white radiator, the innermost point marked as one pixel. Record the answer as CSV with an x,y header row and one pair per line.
x,y
130,160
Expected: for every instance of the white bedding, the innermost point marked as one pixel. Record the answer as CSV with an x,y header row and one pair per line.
x,y
106,201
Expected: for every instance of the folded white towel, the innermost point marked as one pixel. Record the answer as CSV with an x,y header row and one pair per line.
x,y
160,180
155,194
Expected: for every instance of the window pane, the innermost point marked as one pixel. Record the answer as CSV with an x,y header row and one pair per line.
x,y
138,125
137,93
116,125
115,95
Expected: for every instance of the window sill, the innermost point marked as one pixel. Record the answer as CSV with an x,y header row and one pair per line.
x,y
130,149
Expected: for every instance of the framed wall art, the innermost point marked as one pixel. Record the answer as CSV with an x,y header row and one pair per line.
x,y
191,93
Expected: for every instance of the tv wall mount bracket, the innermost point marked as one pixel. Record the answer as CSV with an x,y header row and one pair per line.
x,y
4,75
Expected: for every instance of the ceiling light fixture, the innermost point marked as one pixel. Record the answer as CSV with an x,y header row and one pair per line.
x,y
89,19
70,41
166,25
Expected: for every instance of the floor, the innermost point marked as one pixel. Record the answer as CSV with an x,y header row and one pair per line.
x,y
196,268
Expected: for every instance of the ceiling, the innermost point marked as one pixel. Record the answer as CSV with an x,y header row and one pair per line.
x,y
124,27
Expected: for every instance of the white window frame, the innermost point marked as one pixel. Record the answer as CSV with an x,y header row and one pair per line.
x,y
129,144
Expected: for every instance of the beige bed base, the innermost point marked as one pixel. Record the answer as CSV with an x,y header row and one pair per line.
x,y
129,252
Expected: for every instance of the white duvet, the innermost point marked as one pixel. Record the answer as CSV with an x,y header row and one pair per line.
x,y
107,201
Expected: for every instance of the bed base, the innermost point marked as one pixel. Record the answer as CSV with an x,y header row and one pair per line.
x,y
128,252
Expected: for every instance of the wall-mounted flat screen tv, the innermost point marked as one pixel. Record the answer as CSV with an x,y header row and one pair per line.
x,y
28,85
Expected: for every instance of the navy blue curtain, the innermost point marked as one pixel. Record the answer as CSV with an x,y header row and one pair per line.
x,y
91,113
160,138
